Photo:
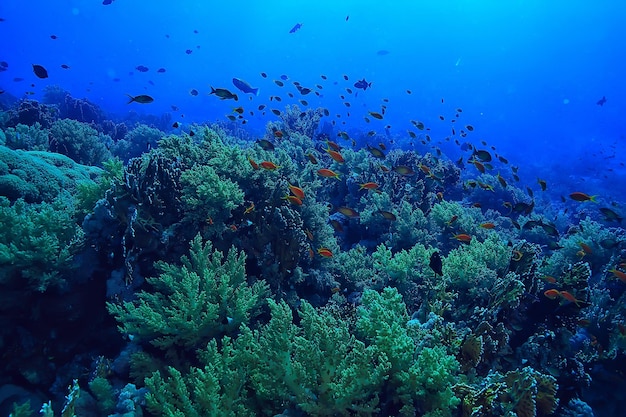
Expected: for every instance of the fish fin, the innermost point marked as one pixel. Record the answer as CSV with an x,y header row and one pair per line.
x,y
255,91
131,98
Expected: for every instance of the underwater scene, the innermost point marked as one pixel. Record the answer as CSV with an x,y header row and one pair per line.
x,y
312,208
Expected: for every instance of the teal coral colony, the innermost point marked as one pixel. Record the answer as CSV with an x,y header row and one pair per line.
x,y
316,245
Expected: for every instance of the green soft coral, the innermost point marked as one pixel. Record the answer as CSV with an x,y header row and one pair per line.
x,y
319,365
206,297
207,196
421,377
36,250
79,141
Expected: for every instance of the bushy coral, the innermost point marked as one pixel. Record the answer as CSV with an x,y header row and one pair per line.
x,y
204,298
207,196
79,141
36,244
423,383
136,141
30,138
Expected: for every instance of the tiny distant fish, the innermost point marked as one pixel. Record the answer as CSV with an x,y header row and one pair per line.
x,y
193,92
150,82
107,2
295,28
279,83
264,75
54,37
64,66
382,52
141,99
347,17
4,64
161,70
40,71
245,86
601,101
362,84
195,31
284,77
174,108
142,68
188,51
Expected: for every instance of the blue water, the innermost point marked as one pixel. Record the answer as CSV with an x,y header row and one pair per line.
x,y
527,75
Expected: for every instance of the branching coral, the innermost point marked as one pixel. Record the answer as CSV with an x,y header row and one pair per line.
x,y
79,141
204,298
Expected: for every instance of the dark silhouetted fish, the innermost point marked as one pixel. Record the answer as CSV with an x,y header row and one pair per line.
x,y
40,71
142,99
107,2
245,87
601,101
382,52
295,28
161,70
436,264
362,84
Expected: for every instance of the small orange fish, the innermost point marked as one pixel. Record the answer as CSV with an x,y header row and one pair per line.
x,y
404,170
309,235
335,290
479,166
368,186
325,252
334,146
582,197
348,212
312,158
552,294
249,209
549,279
462,237
327,173
516,256
586,248
270,166
253,163
440,196
618,274
452,220
567,296
297,191
387,215
335,155
293,200
233,227
487,225
278,134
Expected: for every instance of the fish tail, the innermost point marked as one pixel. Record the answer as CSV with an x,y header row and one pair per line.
x,y
593,198
236,98
255,91
212,90
131,98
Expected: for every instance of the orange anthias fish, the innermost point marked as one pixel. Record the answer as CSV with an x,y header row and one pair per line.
x,y
327,173
567,296
253,163
348,212
297,191
618,274
578,196
270,166
335,155
368,186
586,248
462,237
552,294
325,252
487,225
293,200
